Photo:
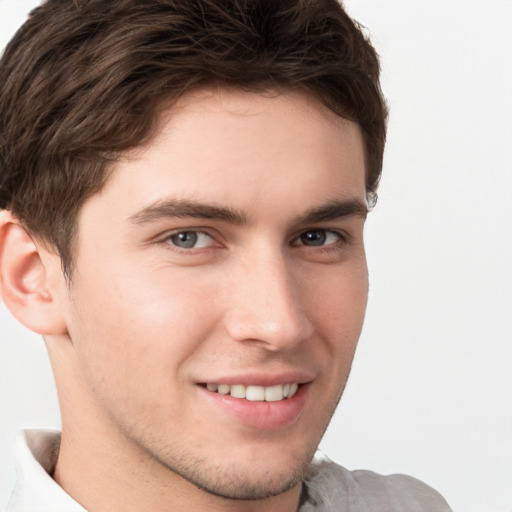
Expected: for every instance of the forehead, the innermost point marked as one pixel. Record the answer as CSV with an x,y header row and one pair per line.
x,y
246,105
242,148
247,113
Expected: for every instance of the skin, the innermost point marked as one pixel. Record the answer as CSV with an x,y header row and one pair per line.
x,y
145,323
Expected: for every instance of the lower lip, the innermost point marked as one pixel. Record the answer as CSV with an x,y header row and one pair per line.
x,y
260,415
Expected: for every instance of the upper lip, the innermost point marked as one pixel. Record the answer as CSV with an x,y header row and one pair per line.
x,y
262,379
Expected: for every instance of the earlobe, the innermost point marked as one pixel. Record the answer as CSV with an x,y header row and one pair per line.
x,y
24,283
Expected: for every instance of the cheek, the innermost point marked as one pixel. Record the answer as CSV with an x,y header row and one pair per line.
x,y
338,302
339,307
139,325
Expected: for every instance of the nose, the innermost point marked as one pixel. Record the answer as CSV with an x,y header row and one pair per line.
x,y
265,303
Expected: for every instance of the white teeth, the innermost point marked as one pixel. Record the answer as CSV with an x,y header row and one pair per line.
x,y
238,391
256,393
274,393
293,389
224,389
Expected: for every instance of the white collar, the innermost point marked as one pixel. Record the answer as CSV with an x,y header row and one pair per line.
x,y
35,490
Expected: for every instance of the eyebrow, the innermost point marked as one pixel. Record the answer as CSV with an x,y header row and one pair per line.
x,y
183,208
334,210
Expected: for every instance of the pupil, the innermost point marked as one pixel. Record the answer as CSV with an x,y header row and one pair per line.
x,y
186,240
314,238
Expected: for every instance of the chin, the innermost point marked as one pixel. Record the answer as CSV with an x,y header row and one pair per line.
x,y
251,479
233,484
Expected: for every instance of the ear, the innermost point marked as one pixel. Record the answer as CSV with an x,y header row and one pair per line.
x,y
25,286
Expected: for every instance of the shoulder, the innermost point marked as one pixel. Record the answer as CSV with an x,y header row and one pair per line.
x,y
328,486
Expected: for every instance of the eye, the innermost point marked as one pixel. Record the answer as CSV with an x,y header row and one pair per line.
x,y
190,240
318,238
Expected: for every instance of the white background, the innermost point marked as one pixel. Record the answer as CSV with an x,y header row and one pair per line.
x,y
431,389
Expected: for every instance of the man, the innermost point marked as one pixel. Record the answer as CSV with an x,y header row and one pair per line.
x,y
183,188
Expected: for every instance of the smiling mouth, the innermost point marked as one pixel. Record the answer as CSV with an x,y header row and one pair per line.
x,y
256,393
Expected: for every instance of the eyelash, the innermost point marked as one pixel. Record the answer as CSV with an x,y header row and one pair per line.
x,y
325,233
196,234
341,238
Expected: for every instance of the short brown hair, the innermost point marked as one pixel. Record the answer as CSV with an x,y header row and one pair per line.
x,y
83,80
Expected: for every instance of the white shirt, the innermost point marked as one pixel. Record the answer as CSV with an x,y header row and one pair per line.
x,y
35,490
327,486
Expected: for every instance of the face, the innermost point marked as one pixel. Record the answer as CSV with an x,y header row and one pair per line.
x,y
219,289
